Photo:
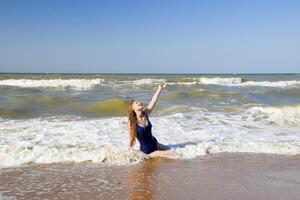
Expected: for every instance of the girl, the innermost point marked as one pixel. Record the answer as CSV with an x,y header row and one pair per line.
x,y
139,127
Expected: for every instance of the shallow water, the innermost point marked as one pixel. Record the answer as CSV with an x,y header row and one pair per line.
x,y
47,118
218,176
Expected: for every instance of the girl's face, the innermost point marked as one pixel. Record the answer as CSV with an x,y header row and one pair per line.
x,y
137,106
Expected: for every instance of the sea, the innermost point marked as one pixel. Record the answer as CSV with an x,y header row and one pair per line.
x,y
58,118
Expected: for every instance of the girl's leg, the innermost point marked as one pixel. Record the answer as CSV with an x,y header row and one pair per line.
x,y
167,154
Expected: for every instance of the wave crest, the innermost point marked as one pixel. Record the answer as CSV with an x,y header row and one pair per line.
x,y
237,81
20,154
282,115
76,84
85,84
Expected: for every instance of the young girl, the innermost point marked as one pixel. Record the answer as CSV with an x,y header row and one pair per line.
x,y
140,127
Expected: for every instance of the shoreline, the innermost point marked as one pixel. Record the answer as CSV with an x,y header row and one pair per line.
x,y
215,176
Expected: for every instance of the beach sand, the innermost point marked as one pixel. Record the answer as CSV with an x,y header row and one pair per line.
x,y
215,176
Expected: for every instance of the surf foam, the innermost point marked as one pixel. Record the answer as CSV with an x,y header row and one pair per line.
x,y
196,133
76,84
85,84
280,115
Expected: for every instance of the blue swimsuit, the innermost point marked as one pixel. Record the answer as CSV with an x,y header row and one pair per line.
x,y
148,142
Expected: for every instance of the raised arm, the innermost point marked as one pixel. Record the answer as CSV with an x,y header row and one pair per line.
x,y
154,99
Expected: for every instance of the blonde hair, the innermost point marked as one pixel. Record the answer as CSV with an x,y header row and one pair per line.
x,y
132,120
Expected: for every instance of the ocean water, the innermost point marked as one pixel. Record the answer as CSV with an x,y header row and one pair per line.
x,y
48,118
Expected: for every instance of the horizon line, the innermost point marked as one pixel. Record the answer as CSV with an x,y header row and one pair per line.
x,y
161,73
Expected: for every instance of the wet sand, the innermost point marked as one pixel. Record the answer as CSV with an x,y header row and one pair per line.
x,y
219,176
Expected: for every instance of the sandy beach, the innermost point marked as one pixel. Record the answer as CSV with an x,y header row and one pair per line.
x,y
218,176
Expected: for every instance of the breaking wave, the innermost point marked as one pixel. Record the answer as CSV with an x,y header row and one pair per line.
x,y
280,115
85,84
191,134
76,84
238,81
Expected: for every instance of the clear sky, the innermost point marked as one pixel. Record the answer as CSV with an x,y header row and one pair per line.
x,y
155,36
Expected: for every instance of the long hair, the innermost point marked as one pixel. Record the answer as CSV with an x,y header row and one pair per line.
x,y
132,120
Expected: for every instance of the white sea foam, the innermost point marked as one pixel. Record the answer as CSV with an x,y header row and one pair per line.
x,y
280,115
281,84
84,84
220,81
237,81
77,84
196,133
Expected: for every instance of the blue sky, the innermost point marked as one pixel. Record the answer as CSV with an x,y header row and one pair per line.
x,y
127,36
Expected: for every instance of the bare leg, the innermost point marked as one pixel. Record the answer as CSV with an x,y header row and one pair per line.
x,y
167,154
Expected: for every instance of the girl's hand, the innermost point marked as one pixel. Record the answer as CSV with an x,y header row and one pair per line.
x,y
162,85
